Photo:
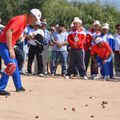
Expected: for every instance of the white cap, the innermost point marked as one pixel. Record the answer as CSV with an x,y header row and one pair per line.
x,y
44,23
37,23
77,19
96,22
105,26
72,25
36,13
98,40
57,25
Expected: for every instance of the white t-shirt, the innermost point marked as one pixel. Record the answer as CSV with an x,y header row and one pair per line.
x,y
35,32
117,42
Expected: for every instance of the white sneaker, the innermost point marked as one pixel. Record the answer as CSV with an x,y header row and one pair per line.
x,y
41,75
67,77
52,75
106,78
85,78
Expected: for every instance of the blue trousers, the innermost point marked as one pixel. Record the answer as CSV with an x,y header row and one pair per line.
x,y
63,55
106,68
4,53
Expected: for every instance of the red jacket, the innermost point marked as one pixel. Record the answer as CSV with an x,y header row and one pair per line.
x,y
103,51
77,38
91,34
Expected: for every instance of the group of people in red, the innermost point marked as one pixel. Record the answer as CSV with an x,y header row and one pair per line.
x,y
94,44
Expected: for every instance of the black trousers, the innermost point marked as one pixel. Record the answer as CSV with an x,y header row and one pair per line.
x,y
19,57
93,70
34,50
117,62
77,60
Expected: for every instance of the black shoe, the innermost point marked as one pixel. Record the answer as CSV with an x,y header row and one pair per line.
x,y
20,89
4,93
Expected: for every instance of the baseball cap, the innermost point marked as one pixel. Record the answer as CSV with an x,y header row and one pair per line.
x,y
96,22
36,13
77,19
44,23
105,26
37,23
98,40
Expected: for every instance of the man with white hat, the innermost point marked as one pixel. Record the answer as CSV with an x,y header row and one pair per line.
x,y
92,33
104,56
8,39
108,37
76,40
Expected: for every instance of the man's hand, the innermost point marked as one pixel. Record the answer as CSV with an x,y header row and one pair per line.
x,y
12,53
104,61
59,45
75,46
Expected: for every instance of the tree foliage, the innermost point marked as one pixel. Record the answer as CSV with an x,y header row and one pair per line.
x,y
57,11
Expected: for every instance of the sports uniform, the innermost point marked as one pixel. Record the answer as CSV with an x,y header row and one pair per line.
x,y
8,38
17,24
104,53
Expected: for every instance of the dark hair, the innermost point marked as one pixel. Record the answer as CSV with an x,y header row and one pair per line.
x,y
117,26
61,25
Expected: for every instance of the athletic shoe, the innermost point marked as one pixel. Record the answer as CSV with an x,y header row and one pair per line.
x,y
20,89
85,78
41,75
67,77
52,75
63,75
106,78
29,74
4,93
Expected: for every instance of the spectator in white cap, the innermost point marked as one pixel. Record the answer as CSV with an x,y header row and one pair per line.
x,y
108,37
97,22
92,33
104,56
76,40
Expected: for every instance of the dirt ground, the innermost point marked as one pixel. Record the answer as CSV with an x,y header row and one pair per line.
x,y
60,99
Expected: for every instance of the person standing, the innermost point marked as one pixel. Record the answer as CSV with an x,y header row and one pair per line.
x,y
8,39
117,50
46,40
108,37
34,50
76,39
59,49
92,33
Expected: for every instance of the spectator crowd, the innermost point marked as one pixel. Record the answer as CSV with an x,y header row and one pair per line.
x,y
76,49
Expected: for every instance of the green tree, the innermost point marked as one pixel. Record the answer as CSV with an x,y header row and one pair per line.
x,y
7,9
